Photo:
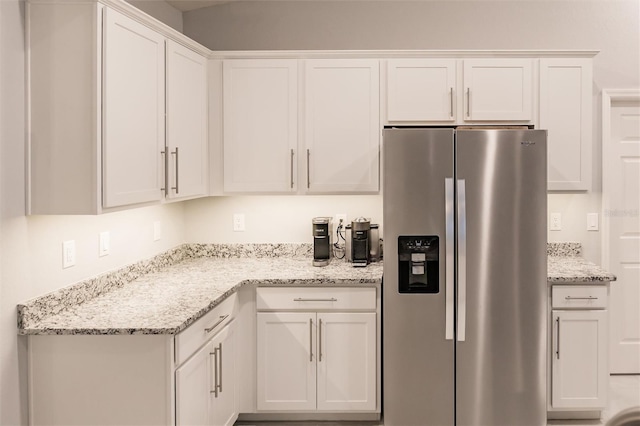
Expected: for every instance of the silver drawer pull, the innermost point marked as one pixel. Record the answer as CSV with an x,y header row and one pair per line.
x,y
222,318
300,299
580,298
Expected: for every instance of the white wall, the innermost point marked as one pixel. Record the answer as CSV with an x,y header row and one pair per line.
x,y
162,11
31,247
272,219
611,26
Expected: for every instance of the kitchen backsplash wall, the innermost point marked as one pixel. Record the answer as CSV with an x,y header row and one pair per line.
x,y
271,219
274,219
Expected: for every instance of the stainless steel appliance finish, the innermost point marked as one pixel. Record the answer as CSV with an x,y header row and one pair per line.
x,y
469,347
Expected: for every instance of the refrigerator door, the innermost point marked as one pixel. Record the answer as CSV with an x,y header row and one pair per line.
x,y
418,369
500,352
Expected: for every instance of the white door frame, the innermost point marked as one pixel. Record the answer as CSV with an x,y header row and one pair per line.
x,y
609,96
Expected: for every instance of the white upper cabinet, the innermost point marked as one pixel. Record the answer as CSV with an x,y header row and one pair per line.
x,y
187,161
133,112
421,90
566,99
498,89
99,115
260,125
342,125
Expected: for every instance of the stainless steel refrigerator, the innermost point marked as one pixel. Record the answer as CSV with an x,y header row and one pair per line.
x,y
465,277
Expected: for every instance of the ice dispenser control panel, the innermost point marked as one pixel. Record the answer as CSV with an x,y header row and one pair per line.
x,y
418,264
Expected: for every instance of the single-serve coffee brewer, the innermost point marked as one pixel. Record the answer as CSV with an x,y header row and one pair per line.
x,y
321,227
362,242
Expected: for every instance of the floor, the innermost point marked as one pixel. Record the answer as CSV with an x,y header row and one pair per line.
x,y
624,392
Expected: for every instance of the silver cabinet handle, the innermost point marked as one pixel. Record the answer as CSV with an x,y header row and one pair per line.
x,y
308,173
448,197
310,340
219,375
319,340
468,102
451,101
177,173
462,261
166,165
580,298
292,169
222,318
215,372
300,299
558,337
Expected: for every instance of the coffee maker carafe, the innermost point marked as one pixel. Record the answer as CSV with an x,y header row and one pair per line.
x,y
360,241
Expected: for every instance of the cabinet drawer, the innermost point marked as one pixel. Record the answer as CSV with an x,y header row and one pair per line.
x,y
316,298
198,333
579,297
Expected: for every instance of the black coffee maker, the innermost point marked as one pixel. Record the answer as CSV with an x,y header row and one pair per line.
x,y
360,241
321,227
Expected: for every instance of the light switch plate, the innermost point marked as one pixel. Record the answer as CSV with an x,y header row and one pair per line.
x,y
68,253
157,230
592,222
555,221
103,249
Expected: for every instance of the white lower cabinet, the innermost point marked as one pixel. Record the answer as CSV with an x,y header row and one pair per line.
x,y
579,359
286,363
205,384
314,360
579,371
153,379
346,361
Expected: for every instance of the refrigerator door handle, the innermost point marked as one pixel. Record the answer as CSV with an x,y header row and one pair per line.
x,y
462,261
449,257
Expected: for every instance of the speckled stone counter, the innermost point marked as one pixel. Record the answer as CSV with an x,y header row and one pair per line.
x,y
167,293
565,265
175,291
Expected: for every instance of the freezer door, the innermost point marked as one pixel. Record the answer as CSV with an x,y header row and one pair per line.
x,y
500,352
418,375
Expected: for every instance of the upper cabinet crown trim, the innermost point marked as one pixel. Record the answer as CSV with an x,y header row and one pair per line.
x,y
383,54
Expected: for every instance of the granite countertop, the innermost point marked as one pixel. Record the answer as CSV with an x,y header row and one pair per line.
x,y
166,294
565,265
168,300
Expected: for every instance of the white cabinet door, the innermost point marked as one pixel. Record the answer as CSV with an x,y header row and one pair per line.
x,y
346,361
286,361
187,158
194,382
565,111
421,89
133,111
260,125
342,132
579,359
224,411
498,89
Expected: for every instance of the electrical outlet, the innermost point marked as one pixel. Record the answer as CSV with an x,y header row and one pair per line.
x,y
103,249
68,253
238,222
157,230
341,217
555,221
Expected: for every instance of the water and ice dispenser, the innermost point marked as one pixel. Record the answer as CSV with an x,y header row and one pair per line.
x,y
418,264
